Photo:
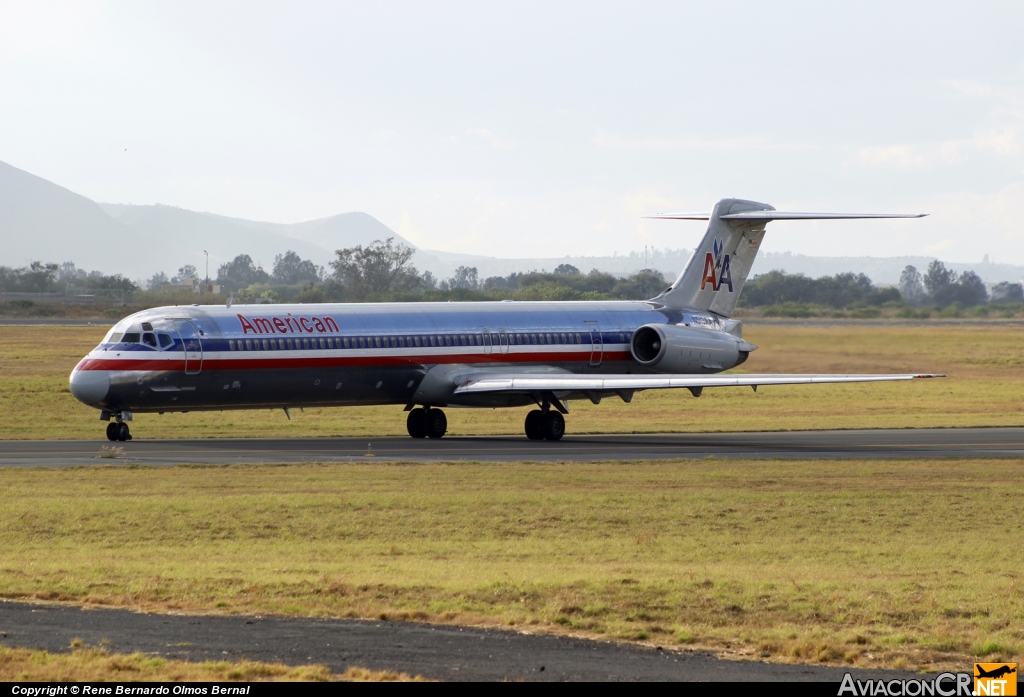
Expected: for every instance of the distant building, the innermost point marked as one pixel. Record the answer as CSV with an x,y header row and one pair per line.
x,y
195,286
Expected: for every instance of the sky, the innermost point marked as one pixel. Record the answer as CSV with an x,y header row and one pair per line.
x,y
535,129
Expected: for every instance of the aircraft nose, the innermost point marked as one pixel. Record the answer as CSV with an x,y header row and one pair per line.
x,y
90,386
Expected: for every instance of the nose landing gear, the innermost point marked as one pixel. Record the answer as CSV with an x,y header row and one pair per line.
x,y
426,423
117,429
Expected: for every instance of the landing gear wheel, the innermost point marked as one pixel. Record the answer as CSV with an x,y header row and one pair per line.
x,y
534,425
554,426
123,433
112,430
417,423
437,423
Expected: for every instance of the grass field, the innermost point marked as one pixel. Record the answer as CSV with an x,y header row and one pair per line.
x,y
97,665
985,365
904,564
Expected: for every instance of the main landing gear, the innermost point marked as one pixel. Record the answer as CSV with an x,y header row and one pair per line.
x,y
118,430
545,425
426,423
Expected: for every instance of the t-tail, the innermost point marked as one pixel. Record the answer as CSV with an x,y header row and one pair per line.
x,y
715,274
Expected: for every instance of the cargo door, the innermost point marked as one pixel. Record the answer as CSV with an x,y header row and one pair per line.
x,y
596,343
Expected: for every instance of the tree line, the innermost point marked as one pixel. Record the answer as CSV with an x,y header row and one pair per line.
x,y
383,270
64,278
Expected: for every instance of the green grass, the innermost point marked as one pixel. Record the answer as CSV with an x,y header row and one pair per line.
x,y
85,664
985,367
910,563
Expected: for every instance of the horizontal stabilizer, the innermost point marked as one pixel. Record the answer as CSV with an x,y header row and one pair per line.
x,y
783,215
492,382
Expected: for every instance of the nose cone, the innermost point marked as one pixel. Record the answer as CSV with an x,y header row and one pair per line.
x,y
90,386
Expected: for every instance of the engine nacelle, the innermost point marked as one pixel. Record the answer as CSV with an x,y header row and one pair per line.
x,y
669,348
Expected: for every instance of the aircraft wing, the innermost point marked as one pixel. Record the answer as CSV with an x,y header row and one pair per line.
x,y
569,382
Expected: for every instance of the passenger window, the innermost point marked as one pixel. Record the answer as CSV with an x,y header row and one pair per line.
x,y
387,342
401,341
447,341
579,339
131,338
149,339
346,342
417,339
463,338
323,344
231,343
562,337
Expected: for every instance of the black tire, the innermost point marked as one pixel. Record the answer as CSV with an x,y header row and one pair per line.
x,y
534,425
112,430
437,423
554,426
123,433
417,423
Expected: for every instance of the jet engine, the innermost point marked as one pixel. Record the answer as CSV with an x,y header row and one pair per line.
x,y
670,348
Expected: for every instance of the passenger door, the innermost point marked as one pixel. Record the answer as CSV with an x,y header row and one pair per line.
x,y
193,347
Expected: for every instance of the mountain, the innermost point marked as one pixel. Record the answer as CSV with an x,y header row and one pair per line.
x,y
41,221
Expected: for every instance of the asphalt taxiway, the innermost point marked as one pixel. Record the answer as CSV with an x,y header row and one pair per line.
x,y
434,651
896,443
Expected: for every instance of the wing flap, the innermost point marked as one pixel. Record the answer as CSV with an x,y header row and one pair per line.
x,y
480,383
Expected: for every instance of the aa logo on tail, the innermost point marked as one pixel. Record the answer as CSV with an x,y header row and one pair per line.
x,y
716,268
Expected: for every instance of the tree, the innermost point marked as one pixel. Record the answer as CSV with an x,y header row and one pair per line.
x,y
911,286
186,274
378,268
1008,293
567,270
428,281
241,272
289,269
465,277
972,289
938,277
157,281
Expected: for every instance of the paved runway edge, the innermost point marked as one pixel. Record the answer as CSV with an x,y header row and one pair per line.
x,y
443,652
881,443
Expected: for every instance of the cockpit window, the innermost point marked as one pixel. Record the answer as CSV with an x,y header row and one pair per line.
x,y
149,339
113,338
130,338
165,340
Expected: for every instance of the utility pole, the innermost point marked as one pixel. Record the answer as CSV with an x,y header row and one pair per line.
x,y
207,284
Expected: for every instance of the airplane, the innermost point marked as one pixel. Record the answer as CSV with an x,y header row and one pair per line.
x,y
427,356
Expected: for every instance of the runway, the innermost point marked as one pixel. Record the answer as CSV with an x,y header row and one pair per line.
x,y
896,443
441,652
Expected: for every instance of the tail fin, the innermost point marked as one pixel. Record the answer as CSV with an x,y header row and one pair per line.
x,y
715,274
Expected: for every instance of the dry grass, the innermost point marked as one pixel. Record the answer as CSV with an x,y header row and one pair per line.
x,y
909,563
985,366
97,665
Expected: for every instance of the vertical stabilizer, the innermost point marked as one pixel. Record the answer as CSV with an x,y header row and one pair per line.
x,y
714,275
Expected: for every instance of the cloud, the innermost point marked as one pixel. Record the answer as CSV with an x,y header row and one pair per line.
x,y
607,140
1002,142
483,136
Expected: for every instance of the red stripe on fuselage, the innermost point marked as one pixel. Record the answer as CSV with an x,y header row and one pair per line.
x,y
272,363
